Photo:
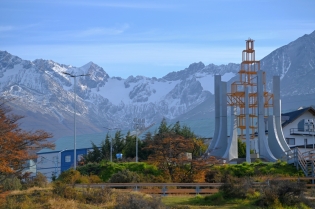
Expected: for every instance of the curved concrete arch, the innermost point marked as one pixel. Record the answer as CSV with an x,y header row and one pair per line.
x,y
217,90
273,139
221,141
277,113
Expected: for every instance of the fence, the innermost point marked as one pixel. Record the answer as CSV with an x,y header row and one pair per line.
x,y
181,188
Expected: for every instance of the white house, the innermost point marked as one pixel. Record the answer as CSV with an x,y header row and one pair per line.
x,y
298,128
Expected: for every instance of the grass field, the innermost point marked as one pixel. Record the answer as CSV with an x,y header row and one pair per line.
x,y
195,202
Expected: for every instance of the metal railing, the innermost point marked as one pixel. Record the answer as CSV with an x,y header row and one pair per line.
x,y
297,131
305,160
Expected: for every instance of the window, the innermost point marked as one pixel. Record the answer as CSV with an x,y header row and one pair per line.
x,y
68,158
290,141
305,142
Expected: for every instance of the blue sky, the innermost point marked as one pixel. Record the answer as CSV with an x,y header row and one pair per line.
x,y
150,38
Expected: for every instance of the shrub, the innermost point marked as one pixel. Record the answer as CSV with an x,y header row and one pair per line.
x,y
215,199
282,192
12,183
125,176
108,169
90,169
96,196
70,176
83,180
136,201
39,180
63,190
213,176
95,179
235,187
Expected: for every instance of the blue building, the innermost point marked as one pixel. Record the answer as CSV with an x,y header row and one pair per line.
x,y
51,162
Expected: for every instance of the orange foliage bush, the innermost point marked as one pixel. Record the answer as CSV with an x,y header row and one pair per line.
x,y
16,144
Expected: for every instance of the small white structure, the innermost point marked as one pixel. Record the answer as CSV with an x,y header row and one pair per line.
x,y
30,167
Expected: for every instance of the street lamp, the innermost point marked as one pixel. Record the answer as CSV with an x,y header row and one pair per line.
x,y
111,143
74,84
138,125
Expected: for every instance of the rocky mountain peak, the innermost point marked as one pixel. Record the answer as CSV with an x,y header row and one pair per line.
x,y
46,97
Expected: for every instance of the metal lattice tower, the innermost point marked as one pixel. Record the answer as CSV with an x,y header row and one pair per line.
x,y
248,78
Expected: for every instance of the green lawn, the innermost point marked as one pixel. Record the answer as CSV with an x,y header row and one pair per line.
x,y
195,202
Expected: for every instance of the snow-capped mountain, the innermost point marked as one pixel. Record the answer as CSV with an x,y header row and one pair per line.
x,y
295,64
45,95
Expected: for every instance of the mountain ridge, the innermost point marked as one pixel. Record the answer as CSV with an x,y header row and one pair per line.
x,y
45,95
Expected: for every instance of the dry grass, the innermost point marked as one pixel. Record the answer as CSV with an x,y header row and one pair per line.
x,y
59,203
29,190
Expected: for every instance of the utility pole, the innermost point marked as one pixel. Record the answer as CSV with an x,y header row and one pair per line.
x,y
74,85
138,125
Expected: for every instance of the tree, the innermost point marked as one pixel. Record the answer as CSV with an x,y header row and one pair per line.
x,y
118,143
130,146
176,151
17,145
145,143
105,147
241,148
94,156
103,152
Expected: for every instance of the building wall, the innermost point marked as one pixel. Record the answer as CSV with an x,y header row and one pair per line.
x,y
67,160
48,164
299,139
53,163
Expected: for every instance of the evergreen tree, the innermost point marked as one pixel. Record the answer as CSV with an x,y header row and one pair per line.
x,y
241,148
118,143
163,128
148,138
130,146
187,133
176,128
93,156
105,147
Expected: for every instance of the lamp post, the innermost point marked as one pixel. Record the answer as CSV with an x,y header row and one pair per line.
x,y
138,125
111,143
74,84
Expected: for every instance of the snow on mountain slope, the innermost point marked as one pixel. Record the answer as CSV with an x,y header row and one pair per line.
x,y
41,89
116,90
295,64
45,95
